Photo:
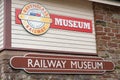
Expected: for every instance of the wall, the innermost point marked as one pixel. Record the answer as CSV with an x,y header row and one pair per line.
x,y
107,23
1,22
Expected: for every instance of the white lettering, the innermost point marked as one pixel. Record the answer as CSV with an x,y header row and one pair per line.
x,y
58,21
86,25
73,64
72,23
36,64
46,63
75,24
99,65
30,63
79,25
63,63
90,65
65,22
86,65
51,63
59,64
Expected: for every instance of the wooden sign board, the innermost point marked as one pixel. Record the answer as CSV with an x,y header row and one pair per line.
x,y
61,64
36,27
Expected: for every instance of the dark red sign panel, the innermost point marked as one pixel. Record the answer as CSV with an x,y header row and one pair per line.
x,y
41,63
65,22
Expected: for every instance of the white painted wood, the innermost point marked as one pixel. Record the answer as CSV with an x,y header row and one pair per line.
x,y
53,43
1,22
84,6
52,31
57,36
56,39
62,7
43,47
110,2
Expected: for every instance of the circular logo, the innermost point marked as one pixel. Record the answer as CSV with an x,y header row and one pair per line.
x,y
35,18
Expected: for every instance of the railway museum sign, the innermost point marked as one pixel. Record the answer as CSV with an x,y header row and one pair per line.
x,y
42,63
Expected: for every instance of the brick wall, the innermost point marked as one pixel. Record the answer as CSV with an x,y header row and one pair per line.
x,y
107,25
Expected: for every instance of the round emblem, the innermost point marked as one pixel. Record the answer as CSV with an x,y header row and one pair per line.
x,y
35,18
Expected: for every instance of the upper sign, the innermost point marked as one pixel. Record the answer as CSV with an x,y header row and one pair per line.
x,y
36,20
57,26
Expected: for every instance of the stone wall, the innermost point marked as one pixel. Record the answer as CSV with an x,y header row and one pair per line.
x,y
107,25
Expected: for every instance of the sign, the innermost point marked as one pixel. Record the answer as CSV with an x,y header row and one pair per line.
x,y
45,63
36,20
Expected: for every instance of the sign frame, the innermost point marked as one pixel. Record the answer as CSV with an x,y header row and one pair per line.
x,y
103,65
